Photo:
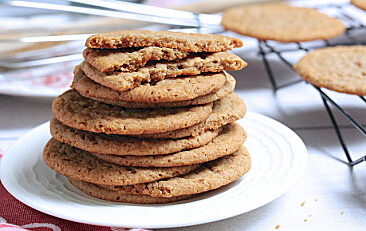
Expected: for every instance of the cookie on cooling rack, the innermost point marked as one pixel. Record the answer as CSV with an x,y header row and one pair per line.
x,y
281,22
359,3
340,68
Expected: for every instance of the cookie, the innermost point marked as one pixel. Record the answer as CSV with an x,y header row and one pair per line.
x,y
124,145
92,90
77,164
227,142
81,113
224,111
192,65
359,3
191,42
109,195
227,89
281,22
208,176
167,90
341,68
129,59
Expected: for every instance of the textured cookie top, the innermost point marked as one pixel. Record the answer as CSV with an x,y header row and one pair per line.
x,y
192,65
281,22
129,59
191,42
341,68
79,112
105,194
229,140
124,145
80,165
207,177
90,89
167,90
225,111
359,3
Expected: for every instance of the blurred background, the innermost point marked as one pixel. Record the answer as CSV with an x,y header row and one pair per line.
x,y
23,63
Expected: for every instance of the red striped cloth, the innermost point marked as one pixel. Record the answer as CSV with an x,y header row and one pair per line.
x,y
16,216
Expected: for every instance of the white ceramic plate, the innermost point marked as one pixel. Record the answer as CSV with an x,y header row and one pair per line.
x,y
279,158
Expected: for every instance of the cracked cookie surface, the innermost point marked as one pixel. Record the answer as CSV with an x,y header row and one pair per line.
x,y
129,59
191,42
192,65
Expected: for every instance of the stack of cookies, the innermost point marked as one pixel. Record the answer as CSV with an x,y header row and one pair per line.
x,y
151,118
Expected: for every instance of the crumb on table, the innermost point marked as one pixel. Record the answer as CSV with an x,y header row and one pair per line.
x,y
277,226
303,203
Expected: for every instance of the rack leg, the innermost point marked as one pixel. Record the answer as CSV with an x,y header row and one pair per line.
x,y
268,67
340,137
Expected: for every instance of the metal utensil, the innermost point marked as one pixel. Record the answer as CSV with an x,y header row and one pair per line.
x,y
197,21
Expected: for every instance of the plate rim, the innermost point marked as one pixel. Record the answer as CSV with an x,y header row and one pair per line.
x,y
276,194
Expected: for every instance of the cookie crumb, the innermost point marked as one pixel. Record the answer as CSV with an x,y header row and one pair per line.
x,y
316,199
342,213
303,203
277,226
305,220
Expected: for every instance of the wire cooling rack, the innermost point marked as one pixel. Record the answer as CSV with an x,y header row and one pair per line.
x,y
354,25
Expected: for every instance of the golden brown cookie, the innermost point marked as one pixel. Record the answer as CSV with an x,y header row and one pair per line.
x,y
224,111
167,90
207,177
227,142
191,42
227,89
359,3
109,96
281,22
81,113
81,165
129,59
109,195
192,65
125,145
341,68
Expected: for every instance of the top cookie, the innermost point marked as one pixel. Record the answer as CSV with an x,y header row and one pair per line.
x,y
341,68
190,42
281,22
359,3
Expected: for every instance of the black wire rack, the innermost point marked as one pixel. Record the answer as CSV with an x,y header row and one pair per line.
x,y
353,24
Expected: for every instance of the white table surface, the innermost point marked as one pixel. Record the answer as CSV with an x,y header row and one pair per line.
x,y
334,194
